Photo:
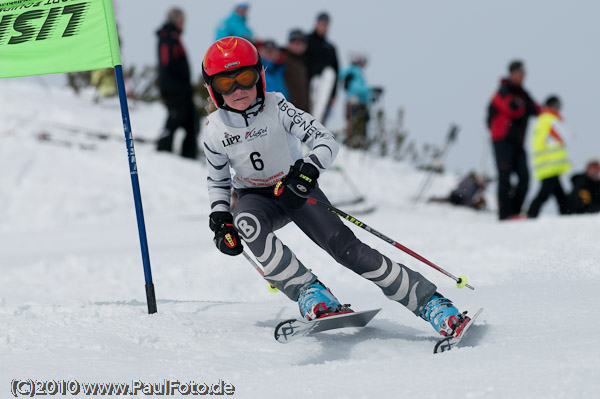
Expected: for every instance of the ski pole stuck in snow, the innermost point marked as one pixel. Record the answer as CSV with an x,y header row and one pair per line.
x,y
271,287
461,281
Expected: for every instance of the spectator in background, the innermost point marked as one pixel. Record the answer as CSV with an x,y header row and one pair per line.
x,y
235,24
296,73
322,64
175,87
105,83
272,59
550,159
470,192
359,97
507,118
585,197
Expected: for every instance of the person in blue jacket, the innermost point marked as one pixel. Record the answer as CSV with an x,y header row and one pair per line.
x,y
359,96
273,61
235,24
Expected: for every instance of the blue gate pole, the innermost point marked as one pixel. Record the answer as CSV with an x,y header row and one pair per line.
x,y
137,197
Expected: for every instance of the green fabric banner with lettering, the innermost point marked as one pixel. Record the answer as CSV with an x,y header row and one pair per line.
x,y
55,36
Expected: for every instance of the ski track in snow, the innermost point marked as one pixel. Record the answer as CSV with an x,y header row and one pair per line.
x,y
72,301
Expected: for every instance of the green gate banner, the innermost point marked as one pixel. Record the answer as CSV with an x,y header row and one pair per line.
x,y
56,36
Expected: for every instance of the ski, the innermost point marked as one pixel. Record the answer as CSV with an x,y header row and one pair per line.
x,y
438,158
98,134
50,139
447,343
352,201
292,329
358,206
364,210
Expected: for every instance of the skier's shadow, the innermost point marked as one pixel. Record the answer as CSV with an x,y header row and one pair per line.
x,y
474,336
339,345
279,317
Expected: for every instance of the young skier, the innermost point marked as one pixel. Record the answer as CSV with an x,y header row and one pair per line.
x,y
258,135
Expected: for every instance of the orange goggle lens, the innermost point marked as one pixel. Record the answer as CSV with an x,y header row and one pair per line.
x,y
224,84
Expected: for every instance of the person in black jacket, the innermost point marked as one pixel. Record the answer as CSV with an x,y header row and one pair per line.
x,y
321,62
175,87
507,118
585,197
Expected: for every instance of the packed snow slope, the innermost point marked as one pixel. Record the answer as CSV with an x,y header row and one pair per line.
x,y
72,299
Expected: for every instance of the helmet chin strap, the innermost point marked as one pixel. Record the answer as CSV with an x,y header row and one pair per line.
x,y
245,113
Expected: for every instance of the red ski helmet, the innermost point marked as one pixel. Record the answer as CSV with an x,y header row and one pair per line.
x,y
227,55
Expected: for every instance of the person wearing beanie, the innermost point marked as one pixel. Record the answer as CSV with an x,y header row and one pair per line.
x,y
273,61
585,197
359,98
236,24
323,69
175,87
507,118
550,158
296,73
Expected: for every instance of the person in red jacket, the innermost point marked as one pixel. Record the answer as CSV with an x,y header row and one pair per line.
x,y
508,115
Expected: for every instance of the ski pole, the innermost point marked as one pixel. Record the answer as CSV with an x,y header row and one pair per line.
x,y
260,271
440,155
461,281
357,194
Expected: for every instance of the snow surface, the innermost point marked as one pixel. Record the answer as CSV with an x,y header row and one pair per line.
x,y
72,299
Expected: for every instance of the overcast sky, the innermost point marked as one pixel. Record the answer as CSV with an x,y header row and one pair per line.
x,y
439,59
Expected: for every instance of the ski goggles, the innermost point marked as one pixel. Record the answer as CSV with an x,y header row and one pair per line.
x,y
244,79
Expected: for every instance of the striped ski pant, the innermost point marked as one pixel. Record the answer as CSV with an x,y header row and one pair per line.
x,y
258,215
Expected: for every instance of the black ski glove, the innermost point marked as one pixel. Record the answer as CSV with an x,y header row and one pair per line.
x,y
226,238
293,189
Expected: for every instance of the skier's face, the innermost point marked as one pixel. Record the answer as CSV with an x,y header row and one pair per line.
x,y
240,99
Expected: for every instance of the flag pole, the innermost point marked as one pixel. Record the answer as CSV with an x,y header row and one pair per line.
x,y
137,197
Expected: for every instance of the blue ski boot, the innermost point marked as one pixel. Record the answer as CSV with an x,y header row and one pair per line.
x,y
316,301
444,316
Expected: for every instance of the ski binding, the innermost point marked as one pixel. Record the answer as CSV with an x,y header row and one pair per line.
x,y
447,343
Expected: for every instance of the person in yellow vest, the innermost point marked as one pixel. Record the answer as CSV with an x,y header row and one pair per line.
x,y
104,81
550,158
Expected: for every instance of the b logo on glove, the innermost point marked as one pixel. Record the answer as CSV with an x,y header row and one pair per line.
x,y
301,188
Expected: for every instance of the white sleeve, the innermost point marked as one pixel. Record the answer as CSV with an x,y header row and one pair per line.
x,y
218,176
320,141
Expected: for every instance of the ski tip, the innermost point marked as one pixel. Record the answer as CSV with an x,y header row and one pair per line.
x,y
443,345
287,330
292,329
